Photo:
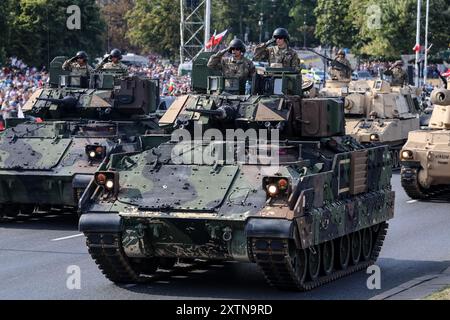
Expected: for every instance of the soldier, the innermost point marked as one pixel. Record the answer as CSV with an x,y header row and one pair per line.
x,y
112,61
398,75
280,54
78,65
340,68
235,66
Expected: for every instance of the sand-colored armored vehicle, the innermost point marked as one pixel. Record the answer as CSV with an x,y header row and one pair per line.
x,y
375,112
425,157
70,127
269,178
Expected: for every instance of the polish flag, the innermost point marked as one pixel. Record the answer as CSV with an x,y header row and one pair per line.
x,y
416,48
216,39
446,73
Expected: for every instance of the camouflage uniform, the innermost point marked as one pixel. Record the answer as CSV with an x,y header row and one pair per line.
x,y
287,57
114,66
398,76
77,69
232,67
338,72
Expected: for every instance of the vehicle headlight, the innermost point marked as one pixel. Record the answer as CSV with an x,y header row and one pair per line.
x,y
374,137
276,186
95,152
109,180
406,155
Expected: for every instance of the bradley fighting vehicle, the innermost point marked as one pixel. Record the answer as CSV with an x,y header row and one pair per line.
x,y
315,214
377,113
70,127
425,172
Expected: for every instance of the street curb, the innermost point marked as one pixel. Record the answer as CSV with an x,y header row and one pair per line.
x,y
417,288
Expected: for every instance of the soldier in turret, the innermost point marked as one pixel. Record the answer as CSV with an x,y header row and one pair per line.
x,y
112,61
280,54
398,75
78,65
235,66
340,68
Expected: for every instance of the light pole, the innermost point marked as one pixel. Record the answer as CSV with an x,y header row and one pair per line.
x,y
304,30
261,24
425,65
417,42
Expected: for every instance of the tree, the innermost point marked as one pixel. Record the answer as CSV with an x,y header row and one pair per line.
x,y
39,31
113,13
334,25
303,22
154,26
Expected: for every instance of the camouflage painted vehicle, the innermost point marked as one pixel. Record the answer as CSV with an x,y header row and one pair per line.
x,y
70,127
425,172
378,113
318,213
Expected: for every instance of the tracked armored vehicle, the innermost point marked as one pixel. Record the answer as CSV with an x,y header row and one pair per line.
x,y
425,157
378,113
295,195
70,127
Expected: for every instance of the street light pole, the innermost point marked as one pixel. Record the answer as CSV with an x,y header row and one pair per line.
x,y
304,30
425,65
417,41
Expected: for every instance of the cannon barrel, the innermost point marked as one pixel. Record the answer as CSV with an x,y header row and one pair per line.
x,y
69,101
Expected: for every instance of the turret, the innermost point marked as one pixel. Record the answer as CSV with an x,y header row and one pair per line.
x,y
102,95
440,119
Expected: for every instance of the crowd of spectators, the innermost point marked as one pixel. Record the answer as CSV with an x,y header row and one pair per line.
x,y
171,84
17,83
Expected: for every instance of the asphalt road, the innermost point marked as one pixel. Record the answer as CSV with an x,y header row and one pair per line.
x,y
34,262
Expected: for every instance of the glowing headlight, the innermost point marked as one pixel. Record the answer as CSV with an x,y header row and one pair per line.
x,y
92,154
374,137
272,189
406,155
109,184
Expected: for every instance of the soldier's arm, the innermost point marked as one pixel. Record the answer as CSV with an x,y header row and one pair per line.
x,y
215,61
295,62
67,65
251,69
261,52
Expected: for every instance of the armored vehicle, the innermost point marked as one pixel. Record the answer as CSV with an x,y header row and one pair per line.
x,y
70,127
378,113
286,189
425,157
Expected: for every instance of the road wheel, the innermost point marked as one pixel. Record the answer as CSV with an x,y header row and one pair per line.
x,y
300,264
328,257
314,258
356,247
367,242
343,259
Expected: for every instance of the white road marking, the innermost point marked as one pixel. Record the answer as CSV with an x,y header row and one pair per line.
x,y
69,237
412,201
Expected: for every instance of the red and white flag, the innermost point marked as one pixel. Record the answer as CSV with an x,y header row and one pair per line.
x,y
216,39
446,74
416,48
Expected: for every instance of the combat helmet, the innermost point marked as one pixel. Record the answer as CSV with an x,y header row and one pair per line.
x,y
281,33
82,55
115,53
237,44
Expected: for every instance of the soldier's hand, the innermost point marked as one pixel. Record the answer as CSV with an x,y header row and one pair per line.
x,y
105,59
270,42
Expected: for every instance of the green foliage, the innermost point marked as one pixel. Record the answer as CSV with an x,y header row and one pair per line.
x,y
155,26
38,30
334,24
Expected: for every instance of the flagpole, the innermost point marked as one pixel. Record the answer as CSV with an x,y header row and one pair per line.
x,y
417,41
425,66
207,22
